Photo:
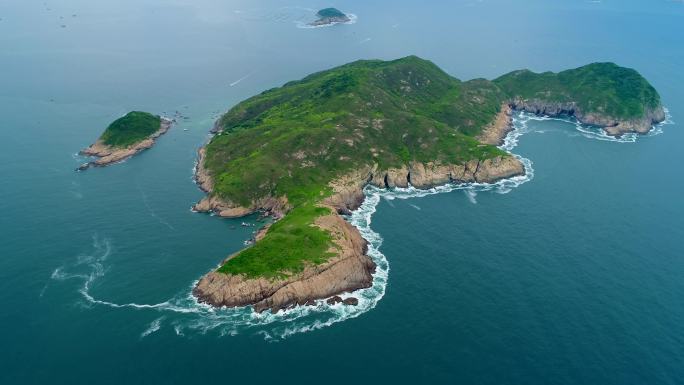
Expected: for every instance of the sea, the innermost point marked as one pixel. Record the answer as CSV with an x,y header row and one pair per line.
x,y
573,274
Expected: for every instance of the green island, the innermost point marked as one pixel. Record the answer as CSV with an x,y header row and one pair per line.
x,y
329,16
130,128
330,12
304,151
127,136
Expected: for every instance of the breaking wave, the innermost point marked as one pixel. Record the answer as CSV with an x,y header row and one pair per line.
x,y
588,131
185,315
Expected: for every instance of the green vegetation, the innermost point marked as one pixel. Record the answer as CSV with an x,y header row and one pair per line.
x,y
331,13
604,88
293,140
130,129
289,244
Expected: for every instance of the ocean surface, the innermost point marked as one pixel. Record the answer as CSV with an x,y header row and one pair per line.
x,y
572,275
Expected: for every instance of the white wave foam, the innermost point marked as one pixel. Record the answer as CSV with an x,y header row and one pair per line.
x,y
202,318
590,132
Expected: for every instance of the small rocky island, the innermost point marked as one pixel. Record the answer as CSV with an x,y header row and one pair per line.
x,y
135,132
304,152
329,16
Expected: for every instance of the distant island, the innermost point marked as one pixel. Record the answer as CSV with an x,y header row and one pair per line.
x,y
125,137
304,152
330,16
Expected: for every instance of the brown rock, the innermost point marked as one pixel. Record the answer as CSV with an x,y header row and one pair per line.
x,y
397,177
351,301
496,131
333,300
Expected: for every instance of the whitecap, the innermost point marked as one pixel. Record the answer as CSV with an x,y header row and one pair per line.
x,y
153,327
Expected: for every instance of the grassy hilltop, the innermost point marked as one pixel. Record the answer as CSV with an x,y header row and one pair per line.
x,y
294,139
603,88
130,129
291,141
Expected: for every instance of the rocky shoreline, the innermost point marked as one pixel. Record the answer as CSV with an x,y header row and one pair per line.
x,y
108,155
351,269
495,132
613,127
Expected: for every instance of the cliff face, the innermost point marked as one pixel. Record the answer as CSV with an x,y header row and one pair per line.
x,y
614,127
349,188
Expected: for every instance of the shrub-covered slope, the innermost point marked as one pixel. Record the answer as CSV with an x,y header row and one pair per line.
x,y
598,88
131,128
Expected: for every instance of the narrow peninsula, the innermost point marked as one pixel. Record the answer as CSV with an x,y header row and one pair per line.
x,y
127,136
329,16
304,152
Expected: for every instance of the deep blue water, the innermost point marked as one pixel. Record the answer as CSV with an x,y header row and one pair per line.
x,y
573,277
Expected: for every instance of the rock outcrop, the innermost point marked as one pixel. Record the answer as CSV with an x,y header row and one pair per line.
x,y
495,132
108,155
348,190
612,126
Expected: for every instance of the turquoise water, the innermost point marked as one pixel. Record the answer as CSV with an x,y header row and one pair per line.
x,y
574,276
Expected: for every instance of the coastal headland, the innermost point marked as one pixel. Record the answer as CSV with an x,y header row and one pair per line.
x,y
304,152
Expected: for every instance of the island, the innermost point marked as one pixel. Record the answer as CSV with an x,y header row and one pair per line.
x,y
329,16
135,132
304,152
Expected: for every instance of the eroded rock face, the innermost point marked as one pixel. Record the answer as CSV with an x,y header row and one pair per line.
x,y
495,132
108,155
612,126
428,175
351,269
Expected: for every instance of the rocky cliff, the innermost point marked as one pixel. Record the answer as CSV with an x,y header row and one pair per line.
x,y
495,132
612,126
